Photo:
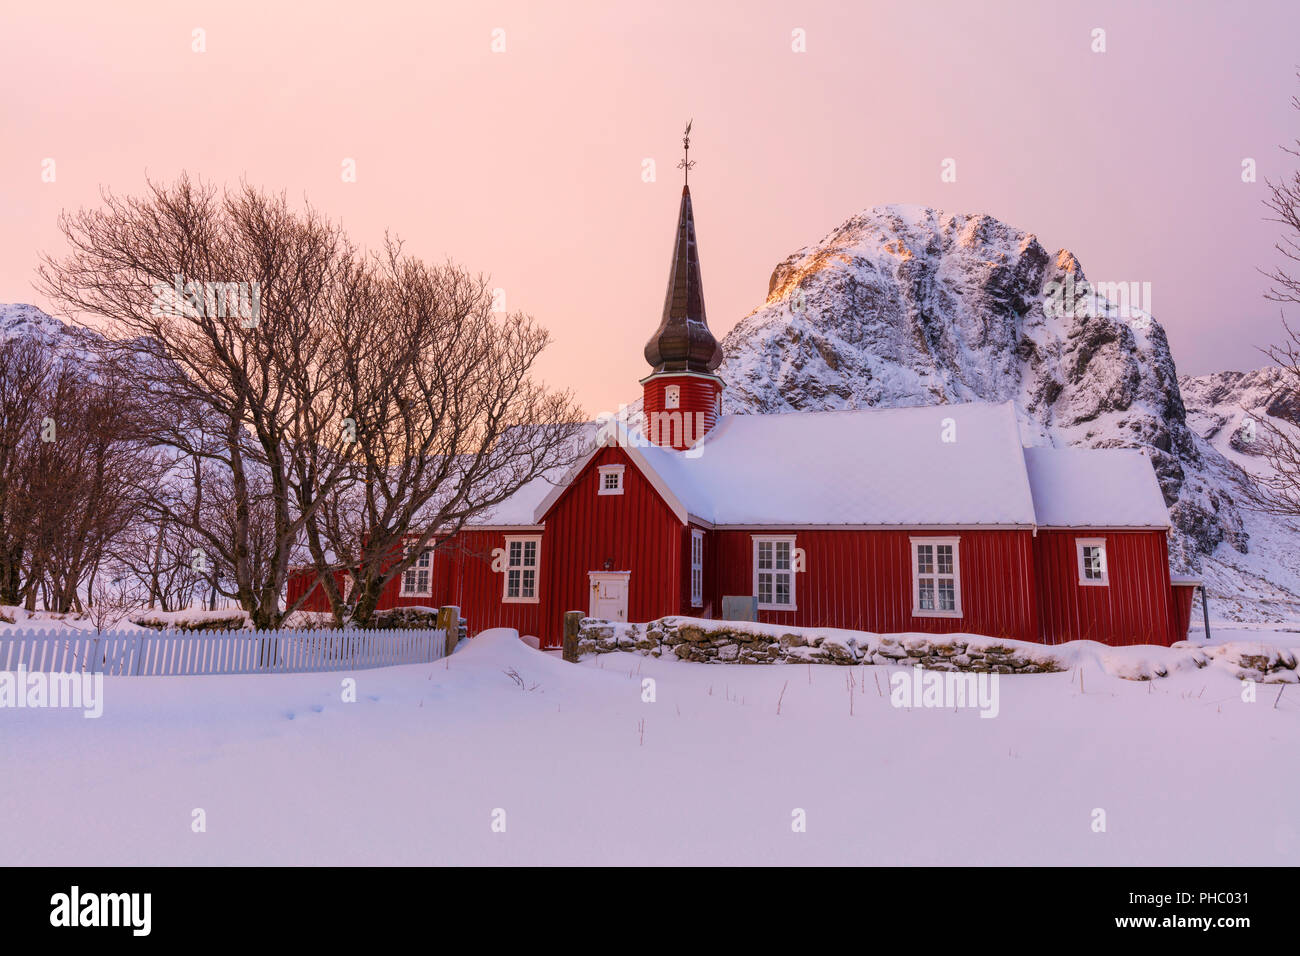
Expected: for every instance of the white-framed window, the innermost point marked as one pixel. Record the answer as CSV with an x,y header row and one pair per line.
x,y
697,568
611,480
417,580
1093,569
673,396
774,572
936,577
523,560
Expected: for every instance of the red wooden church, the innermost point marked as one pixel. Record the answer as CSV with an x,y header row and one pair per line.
x,y
888,520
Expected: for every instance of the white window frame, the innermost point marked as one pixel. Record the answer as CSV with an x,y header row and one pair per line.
x,y
672,397
1079,545
697,568
914,551
616,471
774,540
523,540
412,574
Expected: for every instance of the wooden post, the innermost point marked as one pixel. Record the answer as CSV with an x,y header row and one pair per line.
x,y
571,620
449,624
1205,609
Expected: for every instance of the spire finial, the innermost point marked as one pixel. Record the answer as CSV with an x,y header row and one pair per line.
x,y
687,162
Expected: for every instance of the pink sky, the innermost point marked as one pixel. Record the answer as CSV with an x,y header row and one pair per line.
x,y
527,164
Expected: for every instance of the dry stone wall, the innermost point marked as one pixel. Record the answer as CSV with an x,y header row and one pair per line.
x,y
739,642
733,642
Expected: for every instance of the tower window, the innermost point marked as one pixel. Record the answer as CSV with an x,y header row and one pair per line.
x,y
611,480
673,396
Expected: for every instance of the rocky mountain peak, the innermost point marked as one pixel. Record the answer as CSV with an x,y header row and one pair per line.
x,y
908,305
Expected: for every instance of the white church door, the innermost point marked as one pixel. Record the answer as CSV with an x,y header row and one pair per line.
x,y
609,591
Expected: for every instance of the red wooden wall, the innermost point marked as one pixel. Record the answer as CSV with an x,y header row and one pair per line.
x,y
1136,607
470,583
862,580
699,396
1014,584
1184,602
585,531
462,575
635,531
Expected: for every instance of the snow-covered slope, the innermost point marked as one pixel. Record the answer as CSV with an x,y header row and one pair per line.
x,y
906,305
19,320
580,769
1226,411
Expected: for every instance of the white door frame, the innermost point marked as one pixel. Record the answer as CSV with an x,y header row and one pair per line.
x,y
596,578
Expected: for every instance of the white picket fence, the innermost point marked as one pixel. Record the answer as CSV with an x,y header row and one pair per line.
x,y
176,653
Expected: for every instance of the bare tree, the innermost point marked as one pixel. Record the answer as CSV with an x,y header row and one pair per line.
x,y
68,473
1283,203
223,384
110,604
1277,492
88,482
157,555
361,400
26,369
449,424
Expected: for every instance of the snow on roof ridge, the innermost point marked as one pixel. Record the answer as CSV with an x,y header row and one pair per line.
x,y
1083,495
798,469
868,410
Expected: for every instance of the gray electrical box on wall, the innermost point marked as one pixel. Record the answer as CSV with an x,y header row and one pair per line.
x,y
739,607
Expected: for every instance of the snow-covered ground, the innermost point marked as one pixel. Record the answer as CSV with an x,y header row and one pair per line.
x,y
1286,634
417,770
19,619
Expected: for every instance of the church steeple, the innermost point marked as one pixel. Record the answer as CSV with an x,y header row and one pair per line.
x,y
682,394
683,342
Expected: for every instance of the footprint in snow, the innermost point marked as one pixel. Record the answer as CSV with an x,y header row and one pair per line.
x,y
318,708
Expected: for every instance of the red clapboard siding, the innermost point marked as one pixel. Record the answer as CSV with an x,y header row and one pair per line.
x,y
635,531
462,575
1014,584
699,398
1184,601
305,580
470,583
862,580
1136,607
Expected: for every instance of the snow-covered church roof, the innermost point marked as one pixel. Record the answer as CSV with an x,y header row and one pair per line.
x,y
1095,488
951,465
944,466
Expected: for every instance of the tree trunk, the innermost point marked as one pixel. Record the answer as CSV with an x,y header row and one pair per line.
x,y
369,591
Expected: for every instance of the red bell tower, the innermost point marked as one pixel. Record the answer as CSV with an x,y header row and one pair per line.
x,y
683,396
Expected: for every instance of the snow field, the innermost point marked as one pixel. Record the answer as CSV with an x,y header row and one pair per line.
x,y
417,770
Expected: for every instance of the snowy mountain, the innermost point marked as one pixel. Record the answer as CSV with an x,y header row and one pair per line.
x,y
19,320
71,343
1226,408
906,305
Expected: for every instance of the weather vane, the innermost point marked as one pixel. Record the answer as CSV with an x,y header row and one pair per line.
x,y
687,162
